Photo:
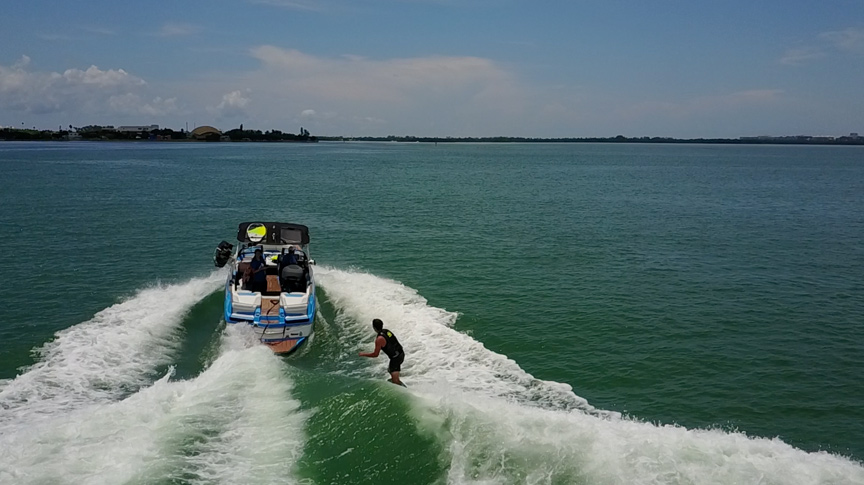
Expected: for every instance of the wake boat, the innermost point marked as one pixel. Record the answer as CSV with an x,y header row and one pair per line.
x,y
283,309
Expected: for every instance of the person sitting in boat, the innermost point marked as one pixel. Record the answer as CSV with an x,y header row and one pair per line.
x,y
289,258
286,259
258,268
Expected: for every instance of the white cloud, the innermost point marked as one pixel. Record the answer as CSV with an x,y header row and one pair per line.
x,y
132,104
21,63
752,96
847,40
171,29
96,76
233,105
797,57
355,78
354,95
53,37
462,92
28,91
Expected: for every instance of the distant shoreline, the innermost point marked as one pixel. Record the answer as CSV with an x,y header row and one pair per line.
x,y
142,140
851,140
845,140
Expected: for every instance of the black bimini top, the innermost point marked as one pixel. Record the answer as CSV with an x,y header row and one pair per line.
x,y
272,233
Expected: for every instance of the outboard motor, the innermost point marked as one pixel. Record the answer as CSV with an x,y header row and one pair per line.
x,y
292,278
223,253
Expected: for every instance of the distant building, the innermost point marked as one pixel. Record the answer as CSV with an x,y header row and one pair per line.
x,y
757,138
137,128
206,133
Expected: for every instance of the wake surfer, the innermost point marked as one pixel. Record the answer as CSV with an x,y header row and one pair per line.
x,y
387,342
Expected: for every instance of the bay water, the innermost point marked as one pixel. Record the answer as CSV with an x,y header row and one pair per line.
x,y
571,313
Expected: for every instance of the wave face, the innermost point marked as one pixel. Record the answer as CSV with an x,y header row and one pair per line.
x,y
500,425
93,410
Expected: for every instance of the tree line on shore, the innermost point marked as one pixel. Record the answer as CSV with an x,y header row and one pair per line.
x,y
94,132
88,133
785,140
239,134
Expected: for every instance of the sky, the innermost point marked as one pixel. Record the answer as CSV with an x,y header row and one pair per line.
x,y
669,68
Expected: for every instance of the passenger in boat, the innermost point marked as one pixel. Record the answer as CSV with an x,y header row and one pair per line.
x,y
387,342
291,258
258,281
287,259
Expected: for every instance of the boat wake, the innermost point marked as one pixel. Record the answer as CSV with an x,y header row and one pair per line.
x,y
99,406
92,409
108,357
501,425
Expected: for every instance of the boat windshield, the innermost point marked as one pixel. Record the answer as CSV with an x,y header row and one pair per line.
x,y
271,254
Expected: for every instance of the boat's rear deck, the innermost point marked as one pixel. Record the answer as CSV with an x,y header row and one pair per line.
x,y
269,306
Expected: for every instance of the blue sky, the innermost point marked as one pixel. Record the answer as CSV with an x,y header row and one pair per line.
x,y
439,67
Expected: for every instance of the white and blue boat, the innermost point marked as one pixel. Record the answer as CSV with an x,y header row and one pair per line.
x,y
283,310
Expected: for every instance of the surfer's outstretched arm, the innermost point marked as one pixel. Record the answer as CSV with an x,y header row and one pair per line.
x,y
379,343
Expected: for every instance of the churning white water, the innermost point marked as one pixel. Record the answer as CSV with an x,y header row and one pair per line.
x,y
90,412
501,425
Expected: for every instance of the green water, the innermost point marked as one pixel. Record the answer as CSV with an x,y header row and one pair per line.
x,y
718,289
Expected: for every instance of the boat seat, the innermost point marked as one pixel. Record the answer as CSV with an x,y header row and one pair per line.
x,y
241,267
293,278
238,277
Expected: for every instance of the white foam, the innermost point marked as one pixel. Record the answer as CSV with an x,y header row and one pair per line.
x,y
107,357
501,425
438,356
257,430
491,441
235,423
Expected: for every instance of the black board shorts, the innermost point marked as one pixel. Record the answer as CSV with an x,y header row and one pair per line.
x,y
396,363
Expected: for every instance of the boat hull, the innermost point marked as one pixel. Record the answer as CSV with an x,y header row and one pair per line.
x,y
285,347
